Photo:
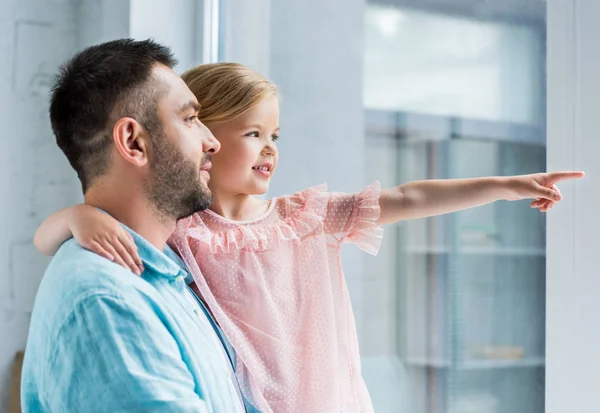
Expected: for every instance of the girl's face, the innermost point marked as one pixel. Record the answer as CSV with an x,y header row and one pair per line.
x,y
248,156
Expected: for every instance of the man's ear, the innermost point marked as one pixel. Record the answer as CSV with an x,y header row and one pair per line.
x,y
131,141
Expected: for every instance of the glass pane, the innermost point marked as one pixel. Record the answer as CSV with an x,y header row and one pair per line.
x,y
455,91
447,64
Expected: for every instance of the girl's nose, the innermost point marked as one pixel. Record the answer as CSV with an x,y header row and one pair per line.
x,y
269,150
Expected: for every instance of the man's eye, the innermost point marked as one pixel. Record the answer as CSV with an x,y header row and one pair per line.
x,y
191,118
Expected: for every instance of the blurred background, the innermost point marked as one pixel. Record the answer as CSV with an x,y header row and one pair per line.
x,y
451,313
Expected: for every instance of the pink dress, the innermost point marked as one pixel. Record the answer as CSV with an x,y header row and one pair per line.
x,y
276,287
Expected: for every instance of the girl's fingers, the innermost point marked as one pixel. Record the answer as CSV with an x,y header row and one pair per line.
x,y
125,255
547,205
98,249
548,193
536,204
539,203
129,244
542,204
111,250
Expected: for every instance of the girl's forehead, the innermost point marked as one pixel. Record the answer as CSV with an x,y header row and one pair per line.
x,y
266,108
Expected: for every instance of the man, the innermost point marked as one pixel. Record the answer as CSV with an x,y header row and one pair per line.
x,y
102,339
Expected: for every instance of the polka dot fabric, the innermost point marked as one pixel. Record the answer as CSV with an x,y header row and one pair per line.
x,y
276,287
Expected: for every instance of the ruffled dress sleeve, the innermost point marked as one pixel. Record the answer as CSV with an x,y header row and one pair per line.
x,y
353,218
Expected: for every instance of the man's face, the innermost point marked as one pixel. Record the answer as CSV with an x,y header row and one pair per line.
x,y
179,163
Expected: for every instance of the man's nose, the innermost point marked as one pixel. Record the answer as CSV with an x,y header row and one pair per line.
x,y
211,144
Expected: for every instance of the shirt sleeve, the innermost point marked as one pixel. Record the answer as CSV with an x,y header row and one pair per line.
x,y
112,356
353,218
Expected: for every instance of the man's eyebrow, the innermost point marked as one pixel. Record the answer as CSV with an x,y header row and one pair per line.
x,y
189,105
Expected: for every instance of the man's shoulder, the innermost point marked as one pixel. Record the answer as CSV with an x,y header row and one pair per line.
x,y
76,274
76,270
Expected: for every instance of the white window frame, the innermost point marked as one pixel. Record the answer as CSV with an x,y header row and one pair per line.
x,y
210,14
573,230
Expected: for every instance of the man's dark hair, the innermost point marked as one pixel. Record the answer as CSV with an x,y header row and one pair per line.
x,y
99,84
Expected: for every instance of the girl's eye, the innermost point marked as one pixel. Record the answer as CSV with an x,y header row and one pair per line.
x,y
253,134
191,118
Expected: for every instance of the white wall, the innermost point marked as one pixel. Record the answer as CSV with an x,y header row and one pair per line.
x,y
35,178
573,227
172,23
101,20
246,33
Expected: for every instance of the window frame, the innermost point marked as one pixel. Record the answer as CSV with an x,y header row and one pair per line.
x,y
571,301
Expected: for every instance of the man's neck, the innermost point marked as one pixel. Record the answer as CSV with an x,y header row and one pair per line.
x,y
134,211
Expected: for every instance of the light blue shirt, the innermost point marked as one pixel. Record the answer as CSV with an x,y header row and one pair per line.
x,y
105,340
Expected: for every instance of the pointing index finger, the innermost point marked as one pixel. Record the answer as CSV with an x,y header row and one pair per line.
x,y
554,177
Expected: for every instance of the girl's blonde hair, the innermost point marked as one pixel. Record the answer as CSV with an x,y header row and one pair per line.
x,y
226,90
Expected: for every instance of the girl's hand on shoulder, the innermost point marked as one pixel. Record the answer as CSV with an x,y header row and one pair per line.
x,y
104,235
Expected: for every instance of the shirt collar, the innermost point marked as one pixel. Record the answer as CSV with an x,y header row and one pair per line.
x,y
152,257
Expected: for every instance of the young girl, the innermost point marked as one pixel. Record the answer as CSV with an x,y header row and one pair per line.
x,y
270,270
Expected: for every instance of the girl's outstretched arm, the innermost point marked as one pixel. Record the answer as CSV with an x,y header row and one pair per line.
x,y
421,199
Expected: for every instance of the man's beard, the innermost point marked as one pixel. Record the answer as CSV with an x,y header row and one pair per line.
x,y
174,186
